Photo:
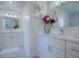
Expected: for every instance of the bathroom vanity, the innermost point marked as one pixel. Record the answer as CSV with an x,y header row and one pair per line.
x,y
58,46
50,46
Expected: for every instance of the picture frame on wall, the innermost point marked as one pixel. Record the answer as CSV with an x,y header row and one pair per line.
x,y
39,10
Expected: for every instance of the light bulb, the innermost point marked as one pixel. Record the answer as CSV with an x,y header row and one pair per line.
x,y
15,16
11,15
10,2
7,15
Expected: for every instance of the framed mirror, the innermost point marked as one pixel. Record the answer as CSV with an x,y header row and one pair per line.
x,y
69,14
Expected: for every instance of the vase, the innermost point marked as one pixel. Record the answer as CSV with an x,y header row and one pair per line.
x,y
47,27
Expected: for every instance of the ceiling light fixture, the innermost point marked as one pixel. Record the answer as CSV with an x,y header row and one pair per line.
x,y
10,2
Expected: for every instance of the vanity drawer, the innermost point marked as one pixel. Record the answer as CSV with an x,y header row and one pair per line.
x,y
72,49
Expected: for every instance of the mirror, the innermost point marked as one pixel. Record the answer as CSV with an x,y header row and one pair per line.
x,y
69,14
11,23
9,20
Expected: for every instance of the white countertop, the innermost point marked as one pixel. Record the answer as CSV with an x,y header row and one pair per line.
x,y
67,38
10,30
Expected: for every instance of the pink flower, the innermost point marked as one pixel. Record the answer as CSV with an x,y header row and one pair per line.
x,y
45,18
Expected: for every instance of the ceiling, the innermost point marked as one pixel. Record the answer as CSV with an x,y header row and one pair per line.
x,y
71,6
12,5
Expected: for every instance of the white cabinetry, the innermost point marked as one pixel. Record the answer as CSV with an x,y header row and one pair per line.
x,y
43,47
9,40
55,47
50,47
72,50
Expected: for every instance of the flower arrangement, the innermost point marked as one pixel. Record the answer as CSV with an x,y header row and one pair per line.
x,y
48,20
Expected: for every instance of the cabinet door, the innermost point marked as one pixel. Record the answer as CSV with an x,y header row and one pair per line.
x,y
43,47
58,43
49,47
58,48
59,53
43,51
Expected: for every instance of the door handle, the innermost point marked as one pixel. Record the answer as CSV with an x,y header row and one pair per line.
x,y
0,50
75,50
50,49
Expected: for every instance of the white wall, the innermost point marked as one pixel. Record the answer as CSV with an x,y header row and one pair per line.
x,y
26,29
35,26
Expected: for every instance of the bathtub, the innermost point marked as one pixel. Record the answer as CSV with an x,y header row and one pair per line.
x,y
13,52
